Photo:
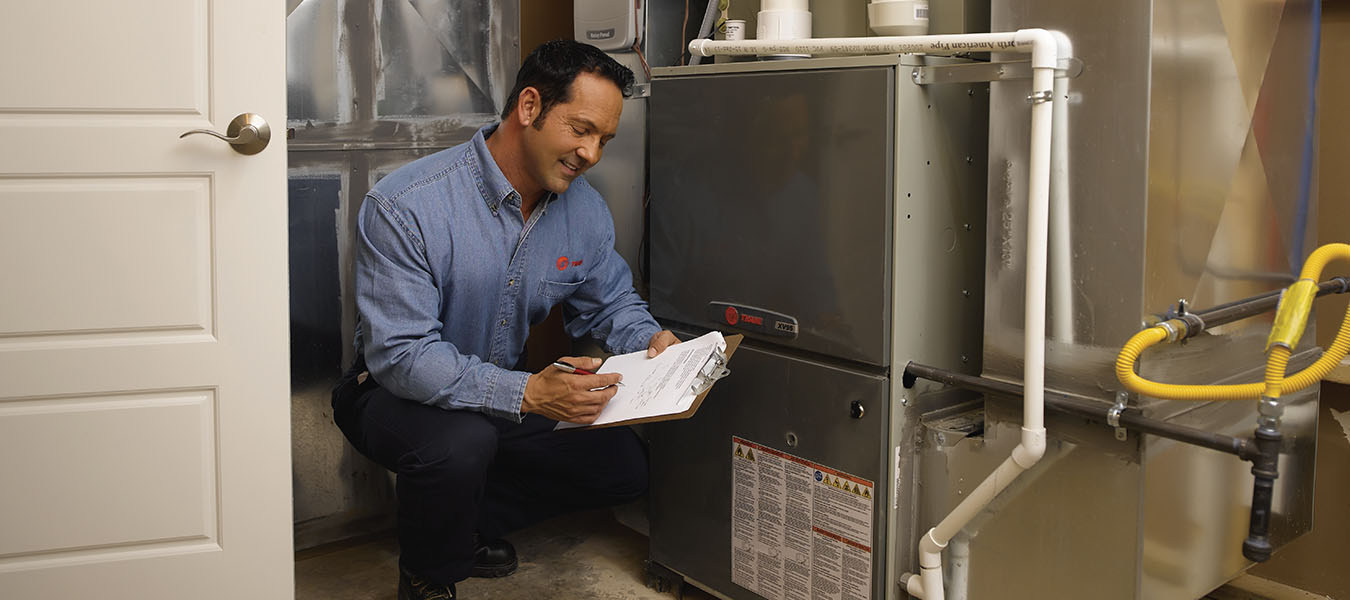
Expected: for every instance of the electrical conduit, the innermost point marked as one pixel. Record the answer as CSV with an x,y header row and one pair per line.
x,y
1045,53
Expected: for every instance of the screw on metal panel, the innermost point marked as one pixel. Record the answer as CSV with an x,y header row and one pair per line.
x,y
967,226
964,359
965,293
856,409
970,161
791,439
970,92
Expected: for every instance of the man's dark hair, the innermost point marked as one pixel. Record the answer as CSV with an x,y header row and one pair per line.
x,y
552,68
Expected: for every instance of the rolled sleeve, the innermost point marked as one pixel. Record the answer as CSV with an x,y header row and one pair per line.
x,y
399,304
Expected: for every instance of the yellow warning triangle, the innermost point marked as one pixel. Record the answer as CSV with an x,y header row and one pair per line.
x,y
750,454
867,493
739,453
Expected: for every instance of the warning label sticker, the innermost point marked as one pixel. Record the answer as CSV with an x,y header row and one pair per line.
x,y
799,530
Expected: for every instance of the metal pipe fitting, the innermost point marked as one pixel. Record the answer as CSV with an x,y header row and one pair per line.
x,y
1265,468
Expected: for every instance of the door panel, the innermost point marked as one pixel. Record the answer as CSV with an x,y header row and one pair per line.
x,y
86,456
769,398
773,216
140,57
144,403
164,231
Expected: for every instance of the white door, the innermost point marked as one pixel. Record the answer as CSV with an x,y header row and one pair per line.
x,y
144,402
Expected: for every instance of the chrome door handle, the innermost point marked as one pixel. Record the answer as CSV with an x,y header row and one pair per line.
x,y
247,133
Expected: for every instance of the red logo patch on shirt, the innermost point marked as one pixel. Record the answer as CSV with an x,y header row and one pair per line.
x,y
562,262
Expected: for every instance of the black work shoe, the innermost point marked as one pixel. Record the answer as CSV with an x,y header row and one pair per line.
x,y
412,587
496,558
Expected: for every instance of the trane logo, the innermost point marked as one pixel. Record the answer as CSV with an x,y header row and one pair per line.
x,y
600,34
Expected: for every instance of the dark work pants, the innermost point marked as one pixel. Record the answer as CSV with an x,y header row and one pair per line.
x,y
461,472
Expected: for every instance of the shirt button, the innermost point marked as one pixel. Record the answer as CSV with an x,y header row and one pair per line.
x,y
510,282
503,321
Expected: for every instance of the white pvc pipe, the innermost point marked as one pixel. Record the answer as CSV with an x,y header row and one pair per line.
x,y
1044,50
958,555
902,44
1061,238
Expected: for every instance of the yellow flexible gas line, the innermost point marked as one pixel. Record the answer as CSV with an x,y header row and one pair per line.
x,y
1290,319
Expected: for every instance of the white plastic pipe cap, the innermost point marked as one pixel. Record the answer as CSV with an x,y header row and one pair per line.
x,y
783,20
898,17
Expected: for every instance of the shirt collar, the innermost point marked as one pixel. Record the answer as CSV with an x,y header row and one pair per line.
x,y
493,185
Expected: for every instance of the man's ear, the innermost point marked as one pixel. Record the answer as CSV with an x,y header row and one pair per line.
x,y
528,106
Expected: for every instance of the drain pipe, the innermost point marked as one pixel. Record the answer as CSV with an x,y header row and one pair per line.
x,y
1061,233
705,28
1045,52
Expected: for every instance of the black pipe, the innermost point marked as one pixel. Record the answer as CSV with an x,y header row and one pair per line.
x,y
1266,441
1129,418
1248,307
1265,467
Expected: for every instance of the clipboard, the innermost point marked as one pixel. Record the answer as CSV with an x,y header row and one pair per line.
x,y
713,370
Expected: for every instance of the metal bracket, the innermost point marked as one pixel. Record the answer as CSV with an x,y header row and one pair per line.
x,y
988,71
641,90
1041,96
1113,415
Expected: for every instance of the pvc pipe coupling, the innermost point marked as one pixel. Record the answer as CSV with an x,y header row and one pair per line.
x,y
783,20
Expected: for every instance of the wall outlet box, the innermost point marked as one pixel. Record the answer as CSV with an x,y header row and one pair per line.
x,y
606,24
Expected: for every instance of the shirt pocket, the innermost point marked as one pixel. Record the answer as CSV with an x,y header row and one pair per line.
x,y
558,290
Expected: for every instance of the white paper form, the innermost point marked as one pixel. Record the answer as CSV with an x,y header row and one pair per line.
x,y
656,386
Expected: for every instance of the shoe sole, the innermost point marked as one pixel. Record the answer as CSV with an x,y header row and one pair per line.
x,y
494,572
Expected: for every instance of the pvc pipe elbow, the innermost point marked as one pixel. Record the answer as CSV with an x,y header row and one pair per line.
x,y
1064,45
930,551
1032,448
1044,47
696,47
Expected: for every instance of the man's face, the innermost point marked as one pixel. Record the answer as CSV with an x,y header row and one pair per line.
x,y
572,136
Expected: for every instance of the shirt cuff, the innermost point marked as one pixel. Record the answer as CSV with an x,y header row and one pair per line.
x,y
638,338
505,394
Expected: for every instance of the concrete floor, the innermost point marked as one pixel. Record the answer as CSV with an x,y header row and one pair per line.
x,y
587,555
584,556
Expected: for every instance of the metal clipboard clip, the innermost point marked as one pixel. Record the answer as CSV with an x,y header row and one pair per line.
x,y
714,369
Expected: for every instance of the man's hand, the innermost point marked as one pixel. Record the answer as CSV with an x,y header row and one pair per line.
x,y
563,396
662,340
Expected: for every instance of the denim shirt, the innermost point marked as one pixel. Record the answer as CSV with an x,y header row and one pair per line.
x,y
450,277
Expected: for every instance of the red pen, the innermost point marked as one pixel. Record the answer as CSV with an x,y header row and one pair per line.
x,y
571,369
